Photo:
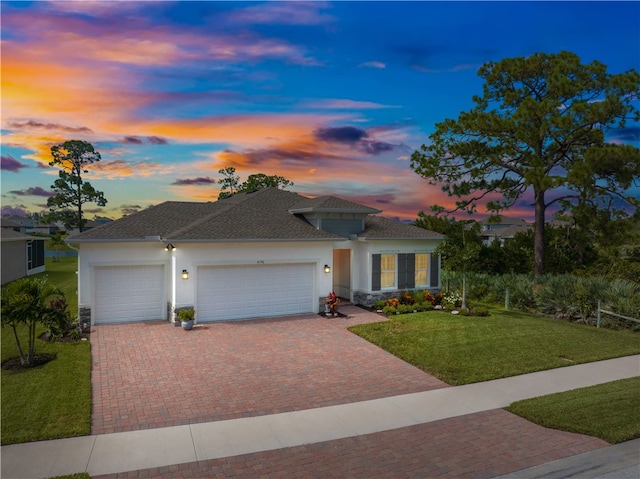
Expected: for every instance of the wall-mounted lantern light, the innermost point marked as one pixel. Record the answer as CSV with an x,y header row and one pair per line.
x,y
327,268
169,247
185,274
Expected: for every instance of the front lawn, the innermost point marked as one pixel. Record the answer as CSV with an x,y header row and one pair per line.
x,y
608,411
53,400
467,349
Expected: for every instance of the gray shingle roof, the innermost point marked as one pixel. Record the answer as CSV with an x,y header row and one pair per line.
x,y
330,204
379,227
262,215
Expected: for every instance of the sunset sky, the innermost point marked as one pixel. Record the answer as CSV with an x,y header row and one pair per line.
x,y
334,96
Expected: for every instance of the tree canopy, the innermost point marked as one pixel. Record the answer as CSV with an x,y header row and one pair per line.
x,y
71,192
231,182
539,126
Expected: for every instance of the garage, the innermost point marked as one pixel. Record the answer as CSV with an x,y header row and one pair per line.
x,y
251,291
128,293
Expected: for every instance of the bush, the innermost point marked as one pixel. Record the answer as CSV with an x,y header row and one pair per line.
x,y
380,304
407,298
389,310
480,311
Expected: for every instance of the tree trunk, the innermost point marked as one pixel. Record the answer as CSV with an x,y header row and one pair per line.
x,y
538,242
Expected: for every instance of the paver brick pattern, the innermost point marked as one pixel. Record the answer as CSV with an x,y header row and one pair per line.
x,y
475,446
151,374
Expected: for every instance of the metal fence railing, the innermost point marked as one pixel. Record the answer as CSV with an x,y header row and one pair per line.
x,y
611,313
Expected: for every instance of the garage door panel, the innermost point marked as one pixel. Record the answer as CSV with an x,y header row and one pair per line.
x,y
128,293
237,292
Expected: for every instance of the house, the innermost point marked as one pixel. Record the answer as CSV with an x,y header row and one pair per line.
x,y
257,254
505,229
22,255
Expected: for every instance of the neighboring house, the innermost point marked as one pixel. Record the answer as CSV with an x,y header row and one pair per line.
x,y
17,223
89,224
258,254
43,229
506,229
22,255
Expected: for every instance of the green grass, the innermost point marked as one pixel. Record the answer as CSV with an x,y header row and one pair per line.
x,y
608,411
461,350
53,400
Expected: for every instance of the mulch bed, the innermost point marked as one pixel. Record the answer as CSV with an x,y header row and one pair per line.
x,y
14,364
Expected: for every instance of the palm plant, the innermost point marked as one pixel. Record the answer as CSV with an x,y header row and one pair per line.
x,y
27,302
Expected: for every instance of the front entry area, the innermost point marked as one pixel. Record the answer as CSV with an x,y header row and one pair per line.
x,y
251,291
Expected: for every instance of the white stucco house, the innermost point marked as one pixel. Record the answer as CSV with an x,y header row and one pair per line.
x,y
257,254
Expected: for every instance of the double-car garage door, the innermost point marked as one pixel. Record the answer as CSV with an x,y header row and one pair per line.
x,y
251,291
137,293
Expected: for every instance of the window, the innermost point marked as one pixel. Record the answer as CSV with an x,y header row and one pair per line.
x,y
388,271
422,266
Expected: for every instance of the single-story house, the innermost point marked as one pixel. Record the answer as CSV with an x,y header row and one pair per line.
x,y
505,229
22,255
264,253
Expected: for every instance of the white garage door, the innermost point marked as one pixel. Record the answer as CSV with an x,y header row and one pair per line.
x,y
128,293
238,292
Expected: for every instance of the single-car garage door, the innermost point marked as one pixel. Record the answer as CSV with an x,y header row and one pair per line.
x,y
128,293
239,292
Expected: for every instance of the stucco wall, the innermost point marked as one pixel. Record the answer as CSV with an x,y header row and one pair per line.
x,y
190,256
362,251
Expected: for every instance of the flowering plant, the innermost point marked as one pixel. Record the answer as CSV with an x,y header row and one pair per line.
x,y
332,301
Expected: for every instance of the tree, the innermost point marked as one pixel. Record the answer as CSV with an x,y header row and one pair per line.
x,y
27,302
231,183
70,190
57,242
540,125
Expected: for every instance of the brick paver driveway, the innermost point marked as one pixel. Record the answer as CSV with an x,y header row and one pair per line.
x,y
151,374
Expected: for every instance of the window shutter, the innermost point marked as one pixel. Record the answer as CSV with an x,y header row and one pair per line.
x,y
434,280
375,272
406,271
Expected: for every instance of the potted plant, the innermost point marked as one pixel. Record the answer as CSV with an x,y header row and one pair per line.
x,y
186,316
332,304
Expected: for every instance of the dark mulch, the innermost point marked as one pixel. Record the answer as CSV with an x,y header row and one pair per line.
x,y
14,364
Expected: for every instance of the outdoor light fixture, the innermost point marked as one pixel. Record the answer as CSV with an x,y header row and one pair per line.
x,y
327,268
169,247
185,274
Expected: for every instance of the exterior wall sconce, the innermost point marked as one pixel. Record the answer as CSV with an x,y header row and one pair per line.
x,y
185,274
169,247
327,268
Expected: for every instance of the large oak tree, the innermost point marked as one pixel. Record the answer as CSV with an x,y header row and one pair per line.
x,y
71,191
540,125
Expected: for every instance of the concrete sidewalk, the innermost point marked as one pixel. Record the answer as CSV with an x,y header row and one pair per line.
x,y
135,450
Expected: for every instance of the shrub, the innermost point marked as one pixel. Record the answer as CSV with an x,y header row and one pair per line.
x,y
392,302
381,303
406,298
480,311
405,308
389,310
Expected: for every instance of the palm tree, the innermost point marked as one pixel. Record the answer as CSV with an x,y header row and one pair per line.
x,y
27,301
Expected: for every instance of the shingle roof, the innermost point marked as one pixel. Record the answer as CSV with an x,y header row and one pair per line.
x,y
11,235
262,215
330,204
379,227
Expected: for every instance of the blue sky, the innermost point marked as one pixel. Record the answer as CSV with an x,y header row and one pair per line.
x,y
334,96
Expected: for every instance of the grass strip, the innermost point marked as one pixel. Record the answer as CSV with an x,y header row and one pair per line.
x,y
462,350
608,411
53,400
